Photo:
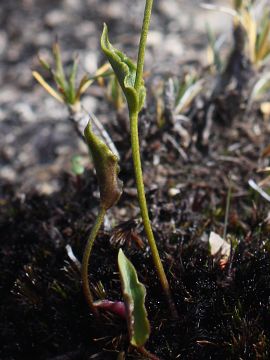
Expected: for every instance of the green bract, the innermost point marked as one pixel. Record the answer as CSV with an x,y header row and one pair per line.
x,y
134,296
107,169
125,71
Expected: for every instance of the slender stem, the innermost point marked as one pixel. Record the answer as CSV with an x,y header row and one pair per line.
x,y
144,211
228,203
137,160
142,45
85,262
147,354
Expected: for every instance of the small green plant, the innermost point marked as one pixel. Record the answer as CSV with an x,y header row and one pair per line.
x,y
65,90
134,294
130,77
106,166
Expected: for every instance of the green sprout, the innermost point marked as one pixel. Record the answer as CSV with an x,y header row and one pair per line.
x,y
134,294
130,78
65,90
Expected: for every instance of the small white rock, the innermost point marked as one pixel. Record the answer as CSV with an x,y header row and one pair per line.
x,y
219,245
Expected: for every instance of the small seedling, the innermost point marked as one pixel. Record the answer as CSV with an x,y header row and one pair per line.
x,y
133,308
106,165
65,90
130,77
134,296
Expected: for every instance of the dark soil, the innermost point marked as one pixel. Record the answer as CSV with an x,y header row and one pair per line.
x,y
224,311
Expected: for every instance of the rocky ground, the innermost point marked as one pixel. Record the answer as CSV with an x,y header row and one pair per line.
x,y
36,138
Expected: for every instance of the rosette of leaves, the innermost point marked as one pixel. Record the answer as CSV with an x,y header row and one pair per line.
x,y
64,88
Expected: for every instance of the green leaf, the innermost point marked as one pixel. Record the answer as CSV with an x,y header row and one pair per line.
x,y
44,63
263,39
260,88
76,165
59,74
125,71
134,296
107,169
214,48
71,81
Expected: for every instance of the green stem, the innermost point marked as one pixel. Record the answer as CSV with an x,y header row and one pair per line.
x,y
85,262
228,203
144,211
142,45
137,160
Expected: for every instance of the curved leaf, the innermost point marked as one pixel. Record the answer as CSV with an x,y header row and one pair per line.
x,y
125,71
107,169
134,296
